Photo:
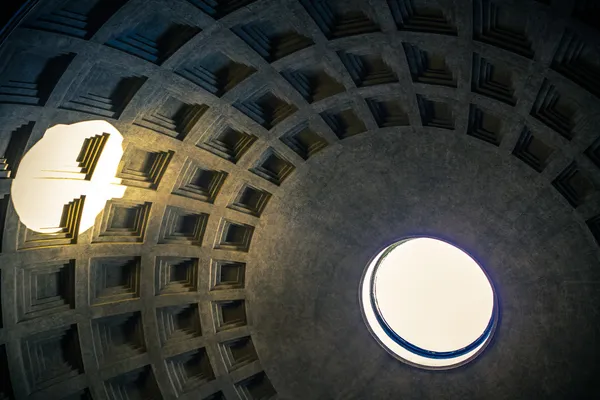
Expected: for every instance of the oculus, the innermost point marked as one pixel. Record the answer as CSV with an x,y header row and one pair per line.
x,y
428,303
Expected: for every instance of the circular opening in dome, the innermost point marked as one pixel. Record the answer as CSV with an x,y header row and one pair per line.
x,y
428,303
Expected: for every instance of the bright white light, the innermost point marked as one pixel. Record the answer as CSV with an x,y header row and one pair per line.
x,y
432,295
50,176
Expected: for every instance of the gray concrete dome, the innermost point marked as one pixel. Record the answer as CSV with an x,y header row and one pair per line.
x,y
271,148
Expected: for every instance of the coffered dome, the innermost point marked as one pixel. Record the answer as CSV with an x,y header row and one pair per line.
x,y
271,149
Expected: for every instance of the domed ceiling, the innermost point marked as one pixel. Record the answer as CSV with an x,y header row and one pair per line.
x,y
271,148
